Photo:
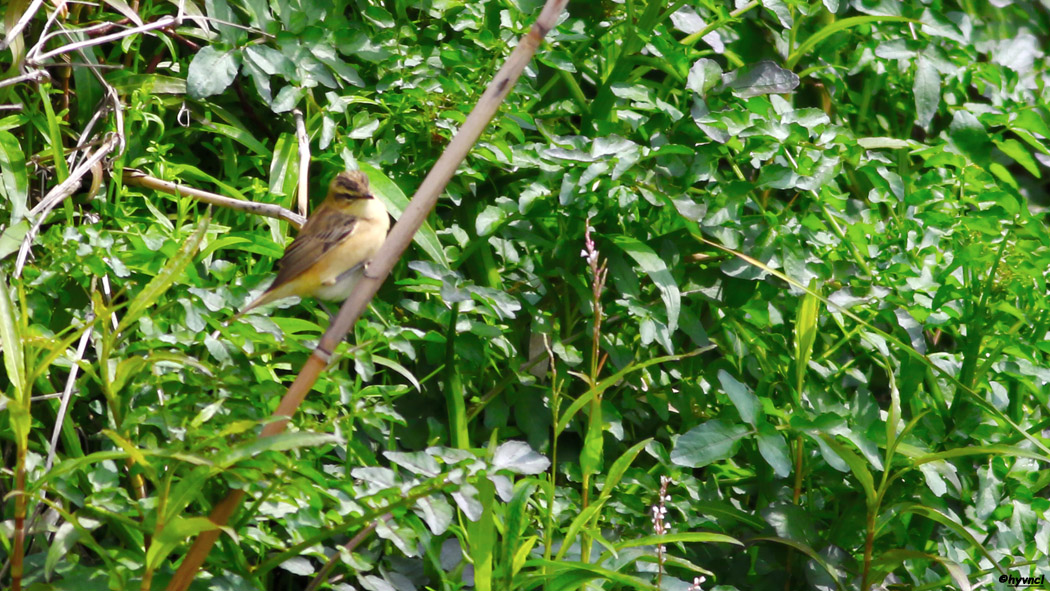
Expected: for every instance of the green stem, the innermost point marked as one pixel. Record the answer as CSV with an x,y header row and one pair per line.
x,y
454,394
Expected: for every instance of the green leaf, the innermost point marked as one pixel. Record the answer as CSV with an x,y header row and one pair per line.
x,y
12,236
283,166
657,270
889,560
566,575
805,334
808,551
765,77
582,518
222,14
857,465
703,76
774,450
690,537
241,136
876,143
971,137
211,72
13,342
488,220
593,442
172,269
743,398
956,527
927,90
519,458
280,442
14,184
620,466
1015,150
712,441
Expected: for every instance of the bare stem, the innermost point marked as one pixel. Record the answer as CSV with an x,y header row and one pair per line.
x,y
141,179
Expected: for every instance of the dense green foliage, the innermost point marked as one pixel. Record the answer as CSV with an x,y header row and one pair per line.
x,y
772,272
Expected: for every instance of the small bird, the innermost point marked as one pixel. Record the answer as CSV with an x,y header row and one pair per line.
x,y
328,256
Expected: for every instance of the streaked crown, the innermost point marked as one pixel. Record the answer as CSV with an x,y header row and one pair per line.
x,y
349,185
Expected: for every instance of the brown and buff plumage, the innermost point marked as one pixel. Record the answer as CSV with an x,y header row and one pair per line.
x,y
328,256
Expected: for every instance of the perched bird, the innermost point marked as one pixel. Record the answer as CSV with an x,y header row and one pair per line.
x,y
328,256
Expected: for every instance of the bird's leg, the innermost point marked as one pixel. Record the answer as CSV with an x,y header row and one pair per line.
x,y
365,272
331,315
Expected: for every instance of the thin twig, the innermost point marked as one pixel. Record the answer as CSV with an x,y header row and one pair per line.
x,y
322,575
270,210
31,76
60,417
304,160
378,269
416,212
163,22
21,24
71,381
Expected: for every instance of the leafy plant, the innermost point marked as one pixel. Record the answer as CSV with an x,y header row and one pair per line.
x,y
777,269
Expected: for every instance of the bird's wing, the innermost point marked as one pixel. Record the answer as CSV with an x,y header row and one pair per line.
x,y
319,235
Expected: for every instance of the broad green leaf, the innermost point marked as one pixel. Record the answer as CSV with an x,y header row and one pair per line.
x,y
12,236
890,560
488,220
711,441
857,465
211,71
703,76
774,450
743,398
519,458
174,533
693,537
876,143
566,575
956,527
152,83
765,77
221,13
927,90
657,270
808,551
241,136
1015,150
280,442
582,518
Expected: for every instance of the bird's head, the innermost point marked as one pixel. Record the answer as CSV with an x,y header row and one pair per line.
x,y
349,186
